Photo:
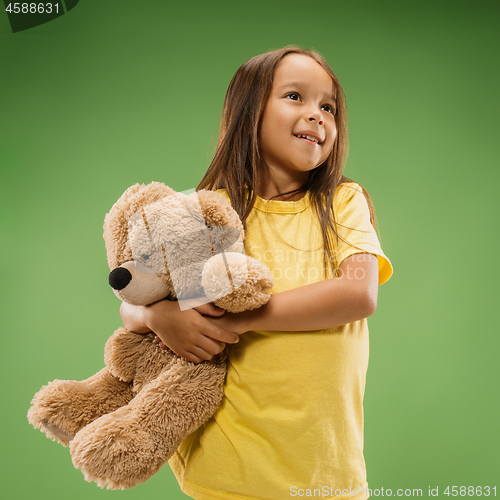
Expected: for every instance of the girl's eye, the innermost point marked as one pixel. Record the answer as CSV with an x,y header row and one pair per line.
x,y
330,108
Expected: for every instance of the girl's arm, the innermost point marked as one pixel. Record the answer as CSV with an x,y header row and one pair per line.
x,y
187,333
326,304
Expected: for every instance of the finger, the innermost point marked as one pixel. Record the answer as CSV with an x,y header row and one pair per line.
x,y
157,340
197,355
190,356
221,335
210,346
194,359
201,352
209,310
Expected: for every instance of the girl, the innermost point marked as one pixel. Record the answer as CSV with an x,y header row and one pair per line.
x,y
292,416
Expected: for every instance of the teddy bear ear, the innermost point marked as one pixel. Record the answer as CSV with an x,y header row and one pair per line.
x,y
116,221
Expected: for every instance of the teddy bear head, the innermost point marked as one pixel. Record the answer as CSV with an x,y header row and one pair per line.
x,y
158,241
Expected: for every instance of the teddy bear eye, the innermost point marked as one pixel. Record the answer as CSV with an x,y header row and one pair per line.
x,y
144,257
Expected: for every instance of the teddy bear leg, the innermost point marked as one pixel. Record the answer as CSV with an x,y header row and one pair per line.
x,y
127,447
63,407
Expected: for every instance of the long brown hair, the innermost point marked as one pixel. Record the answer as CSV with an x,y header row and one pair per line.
x,y
237,163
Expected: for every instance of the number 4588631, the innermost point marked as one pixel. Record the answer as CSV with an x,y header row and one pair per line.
x,y
32,8
470,491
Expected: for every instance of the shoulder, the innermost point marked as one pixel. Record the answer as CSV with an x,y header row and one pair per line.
x,y
348,192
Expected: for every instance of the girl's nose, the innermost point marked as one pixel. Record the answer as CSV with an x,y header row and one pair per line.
x,y
315,115
320,121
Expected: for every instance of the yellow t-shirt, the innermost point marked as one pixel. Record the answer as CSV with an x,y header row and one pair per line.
x,y
291,419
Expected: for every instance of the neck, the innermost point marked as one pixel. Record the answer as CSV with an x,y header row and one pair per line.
x,y
276,188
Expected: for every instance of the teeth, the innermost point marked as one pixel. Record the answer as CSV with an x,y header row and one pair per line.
x,y
309,137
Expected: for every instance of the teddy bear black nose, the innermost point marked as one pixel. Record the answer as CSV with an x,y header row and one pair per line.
x,y
119,278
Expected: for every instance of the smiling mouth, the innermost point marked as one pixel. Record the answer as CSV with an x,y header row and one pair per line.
x,y
307,140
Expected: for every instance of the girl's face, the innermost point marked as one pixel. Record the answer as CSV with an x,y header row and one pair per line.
x,y
301,103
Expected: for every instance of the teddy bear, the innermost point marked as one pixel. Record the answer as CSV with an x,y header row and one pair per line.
x,y
123,423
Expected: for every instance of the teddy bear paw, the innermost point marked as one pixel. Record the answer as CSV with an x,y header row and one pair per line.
x,y
61,435
52,413
236,282
115,451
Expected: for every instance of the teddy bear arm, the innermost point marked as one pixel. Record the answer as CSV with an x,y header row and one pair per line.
x,y
236,282
122,352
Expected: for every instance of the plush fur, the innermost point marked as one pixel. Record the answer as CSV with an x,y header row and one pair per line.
x,y
123,423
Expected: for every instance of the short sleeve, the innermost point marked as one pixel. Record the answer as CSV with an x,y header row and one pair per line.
x,y
353,216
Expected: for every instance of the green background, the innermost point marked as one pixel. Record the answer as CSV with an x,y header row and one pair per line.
x,y
118,92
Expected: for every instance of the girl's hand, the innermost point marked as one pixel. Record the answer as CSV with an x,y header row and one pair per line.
x,y
234,322
187,333
205,310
